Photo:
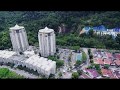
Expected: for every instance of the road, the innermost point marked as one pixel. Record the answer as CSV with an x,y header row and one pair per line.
x,y
88,61
64,55
21,72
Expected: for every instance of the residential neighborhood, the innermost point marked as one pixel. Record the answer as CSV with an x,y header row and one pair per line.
x,y
108,62
60,45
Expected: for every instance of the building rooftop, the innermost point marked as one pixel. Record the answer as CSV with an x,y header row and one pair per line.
x,y
46,30
86,28
93,72
35,60
117,73
109,55
107,73
117,62
6,54
116,29
117,56
85,76
16,27
98,61
28,53
100,28
107,61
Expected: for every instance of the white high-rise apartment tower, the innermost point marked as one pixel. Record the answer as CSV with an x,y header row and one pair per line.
x,y
47,42
19,38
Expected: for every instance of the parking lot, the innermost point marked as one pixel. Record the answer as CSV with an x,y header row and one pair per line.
x,y
67,55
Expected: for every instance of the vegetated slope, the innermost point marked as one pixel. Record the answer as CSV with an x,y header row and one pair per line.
x,y
7,74
74,21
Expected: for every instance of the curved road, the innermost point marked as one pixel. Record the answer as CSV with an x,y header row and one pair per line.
x,y
88,61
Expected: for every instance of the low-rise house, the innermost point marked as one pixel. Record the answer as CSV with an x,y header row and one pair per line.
x,y
117,73
104,56
117,62
95,55
85,76
117,30
117,56
102,30
93,73
107,73
109,55
108,61
98,61
99,54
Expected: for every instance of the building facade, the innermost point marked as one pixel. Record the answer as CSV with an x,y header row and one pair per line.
x,y
42,65
101,30
19,38
47,42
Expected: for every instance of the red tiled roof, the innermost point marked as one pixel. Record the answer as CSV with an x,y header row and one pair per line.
x,y
107,72
104,71
117,62
107,61
98,61
109,55
93,73
117,56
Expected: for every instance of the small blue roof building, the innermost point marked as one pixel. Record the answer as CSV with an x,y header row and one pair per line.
x,y
100,28
116,30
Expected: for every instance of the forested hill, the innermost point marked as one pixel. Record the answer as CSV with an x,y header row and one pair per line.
x,y
35,20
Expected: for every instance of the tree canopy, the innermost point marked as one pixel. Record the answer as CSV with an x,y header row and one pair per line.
x,y
6,73
75,75
70,23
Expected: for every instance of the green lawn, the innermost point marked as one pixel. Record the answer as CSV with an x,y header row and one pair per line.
x,y
7,74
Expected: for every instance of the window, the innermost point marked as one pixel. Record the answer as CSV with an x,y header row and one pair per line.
x,y
49,34
17,31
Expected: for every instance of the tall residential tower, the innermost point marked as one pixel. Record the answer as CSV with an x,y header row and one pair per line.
x,y
18,38
47,42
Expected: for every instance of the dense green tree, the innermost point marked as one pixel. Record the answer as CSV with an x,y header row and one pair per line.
x,y
75,75
91,32
89,51
60,74
84,56
90,67
52,58
91,56
74,22
97,66
79,72
118,38
106,66
59,63
78,62
76,48
91,60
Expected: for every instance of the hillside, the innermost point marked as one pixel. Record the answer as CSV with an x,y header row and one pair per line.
x,y
7,74
73,22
